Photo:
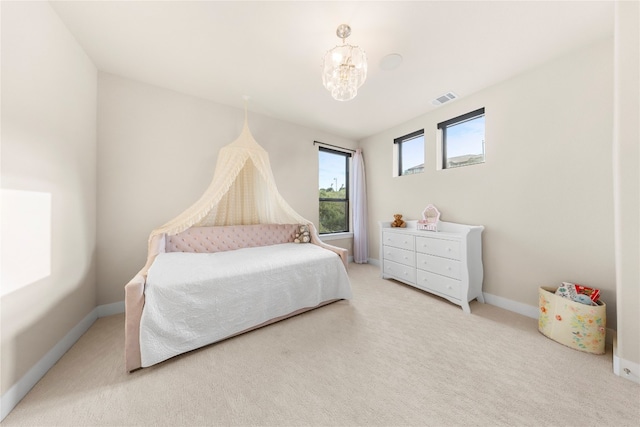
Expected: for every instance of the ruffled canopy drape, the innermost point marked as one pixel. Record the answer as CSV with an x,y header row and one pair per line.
x,y
242,192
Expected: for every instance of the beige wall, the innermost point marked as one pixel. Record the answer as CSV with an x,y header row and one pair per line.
x,y
49,91
627,184
544,193
157,151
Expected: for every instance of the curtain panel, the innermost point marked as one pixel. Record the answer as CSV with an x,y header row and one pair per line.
x,y
360,240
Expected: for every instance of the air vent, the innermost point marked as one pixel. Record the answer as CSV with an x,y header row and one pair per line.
x,y
444,98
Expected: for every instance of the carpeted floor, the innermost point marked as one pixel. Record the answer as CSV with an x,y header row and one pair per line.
x,y
392,356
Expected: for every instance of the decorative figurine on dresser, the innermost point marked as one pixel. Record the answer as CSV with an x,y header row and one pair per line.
x,y
439,257
430,219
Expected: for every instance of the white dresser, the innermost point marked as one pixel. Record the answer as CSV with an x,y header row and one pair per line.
x,y
447,263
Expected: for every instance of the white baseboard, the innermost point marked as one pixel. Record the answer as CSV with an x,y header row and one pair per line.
x,y
507,304
625,368
110,309
19,390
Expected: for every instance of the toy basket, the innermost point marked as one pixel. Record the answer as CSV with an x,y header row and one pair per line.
x,y
576,325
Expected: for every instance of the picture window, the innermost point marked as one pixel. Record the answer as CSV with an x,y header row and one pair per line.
x,y
463,140
333,181
410,150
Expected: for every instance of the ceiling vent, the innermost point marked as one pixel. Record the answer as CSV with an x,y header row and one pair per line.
x,y
444,98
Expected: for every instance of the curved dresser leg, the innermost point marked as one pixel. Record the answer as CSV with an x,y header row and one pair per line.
x,y
465,307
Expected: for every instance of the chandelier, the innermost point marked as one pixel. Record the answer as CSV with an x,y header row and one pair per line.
x,y
344,68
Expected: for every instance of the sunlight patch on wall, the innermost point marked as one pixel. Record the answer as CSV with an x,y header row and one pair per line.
x,y
25,227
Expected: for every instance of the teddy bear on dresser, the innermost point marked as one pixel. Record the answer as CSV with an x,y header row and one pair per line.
x,y
398,222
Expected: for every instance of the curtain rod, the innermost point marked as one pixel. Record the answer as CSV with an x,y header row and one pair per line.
x,y
334,146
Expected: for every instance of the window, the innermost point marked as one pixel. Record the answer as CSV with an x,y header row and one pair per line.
x,y
463,140
334,190
410,153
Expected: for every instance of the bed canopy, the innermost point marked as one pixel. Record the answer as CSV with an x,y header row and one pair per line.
x,y
243,195
242,192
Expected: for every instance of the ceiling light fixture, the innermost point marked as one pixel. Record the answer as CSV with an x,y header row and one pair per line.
x,y
344,68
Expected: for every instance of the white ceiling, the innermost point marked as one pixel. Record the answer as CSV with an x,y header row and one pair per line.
x,y
272,50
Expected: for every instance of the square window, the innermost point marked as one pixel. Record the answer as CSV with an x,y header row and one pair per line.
x,y
463,140
410,153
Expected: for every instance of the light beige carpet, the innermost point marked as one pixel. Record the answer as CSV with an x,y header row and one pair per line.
x,y
392,356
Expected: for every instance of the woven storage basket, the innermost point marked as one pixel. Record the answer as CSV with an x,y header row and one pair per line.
x,y
579,326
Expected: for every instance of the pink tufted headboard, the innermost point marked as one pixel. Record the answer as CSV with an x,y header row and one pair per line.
x,y
229,238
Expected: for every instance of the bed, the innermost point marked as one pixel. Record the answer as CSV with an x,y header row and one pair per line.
x,y
207,284
228,264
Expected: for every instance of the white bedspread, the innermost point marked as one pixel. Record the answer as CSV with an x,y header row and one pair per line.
x,y
195,299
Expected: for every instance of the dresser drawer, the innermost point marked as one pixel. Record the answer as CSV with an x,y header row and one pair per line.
x,y
440,247
398,240
402,256
401,272
444,286
443,266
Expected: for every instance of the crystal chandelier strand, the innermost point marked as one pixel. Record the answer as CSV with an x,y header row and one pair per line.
x,y
344,68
